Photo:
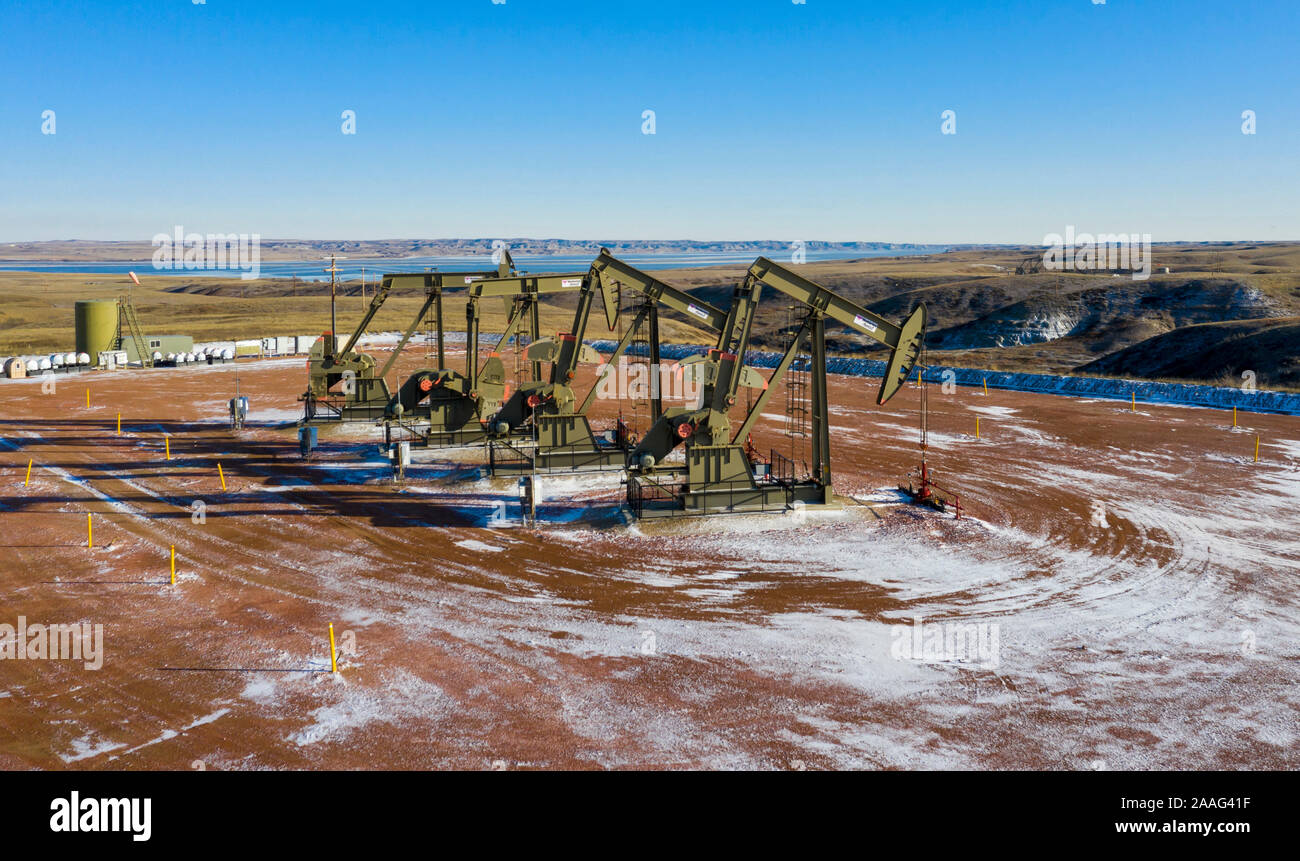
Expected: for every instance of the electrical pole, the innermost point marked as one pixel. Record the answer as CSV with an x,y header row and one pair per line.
x,y
334,283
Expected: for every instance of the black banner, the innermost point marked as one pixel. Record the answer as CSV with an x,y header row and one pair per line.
x,y
299,810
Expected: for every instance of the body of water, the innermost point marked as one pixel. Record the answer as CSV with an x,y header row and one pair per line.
x,y
353,268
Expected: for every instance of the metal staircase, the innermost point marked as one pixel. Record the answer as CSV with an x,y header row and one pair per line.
x,y
126,315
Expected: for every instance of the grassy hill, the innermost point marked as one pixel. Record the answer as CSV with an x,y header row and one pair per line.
x,y
1218,352
36,309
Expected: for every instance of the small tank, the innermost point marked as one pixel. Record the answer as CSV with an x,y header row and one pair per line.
x,y
32,365
55,360
70,359
157,356
228,354
83,358
43,364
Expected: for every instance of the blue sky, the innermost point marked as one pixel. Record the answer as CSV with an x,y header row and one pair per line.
x,y
773,120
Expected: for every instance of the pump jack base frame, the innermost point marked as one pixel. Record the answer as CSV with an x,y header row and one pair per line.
x,y
332,412
419,433
720,479
655,497
561,443
524,456
515,454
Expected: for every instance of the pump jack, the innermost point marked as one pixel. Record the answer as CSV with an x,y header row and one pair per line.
x,y
456,405
341,383
721,472
559,430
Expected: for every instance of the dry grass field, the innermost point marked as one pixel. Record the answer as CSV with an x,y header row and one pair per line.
x,y
37,312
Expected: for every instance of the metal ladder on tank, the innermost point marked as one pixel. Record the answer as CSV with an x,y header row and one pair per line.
x,y
126,311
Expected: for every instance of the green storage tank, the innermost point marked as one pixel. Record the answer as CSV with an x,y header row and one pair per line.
x,y
96,321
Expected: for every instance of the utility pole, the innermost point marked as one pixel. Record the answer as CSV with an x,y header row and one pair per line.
x,y
334,283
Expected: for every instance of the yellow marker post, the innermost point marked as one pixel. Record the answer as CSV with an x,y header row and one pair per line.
x,y
167,445
986,385
1234,416
222,474
977,428
87,397
90,532
334,664
1135,403
173,564
1256,448
119,424
28,479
